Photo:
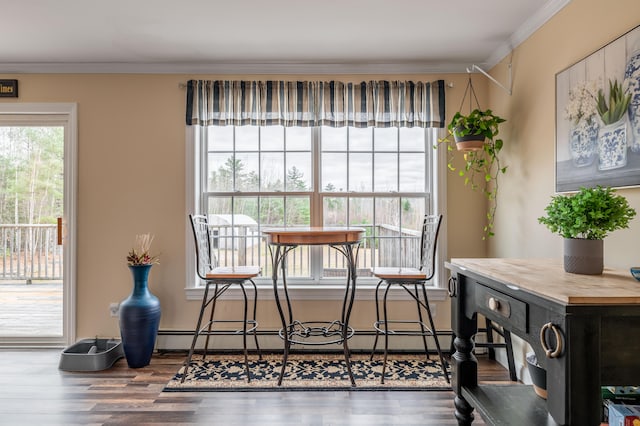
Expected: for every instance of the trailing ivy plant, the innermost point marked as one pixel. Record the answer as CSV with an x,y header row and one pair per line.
x,y
589,214
481,168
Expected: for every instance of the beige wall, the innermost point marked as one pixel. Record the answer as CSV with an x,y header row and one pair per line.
x,y
131,180
131,168
581,28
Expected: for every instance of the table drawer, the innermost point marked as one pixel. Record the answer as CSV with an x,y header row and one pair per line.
x,y
502,308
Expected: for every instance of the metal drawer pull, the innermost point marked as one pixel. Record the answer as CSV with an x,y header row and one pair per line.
x,y
494,304
543,340
452,286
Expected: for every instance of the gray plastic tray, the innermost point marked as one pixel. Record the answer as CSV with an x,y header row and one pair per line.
x,y
91,355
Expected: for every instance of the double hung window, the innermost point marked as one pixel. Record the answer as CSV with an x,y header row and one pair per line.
x,y
249,177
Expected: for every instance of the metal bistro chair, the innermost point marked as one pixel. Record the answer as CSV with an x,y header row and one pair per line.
x,y
491,345
411,279
221,278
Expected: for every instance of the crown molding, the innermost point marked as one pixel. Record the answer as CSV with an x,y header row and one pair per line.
x,y
530,26
230,68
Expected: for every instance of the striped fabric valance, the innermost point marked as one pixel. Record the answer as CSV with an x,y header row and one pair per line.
x,y
311,103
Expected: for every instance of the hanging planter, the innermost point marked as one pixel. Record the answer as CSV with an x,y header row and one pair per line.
x,y
475,135
468,142
473,130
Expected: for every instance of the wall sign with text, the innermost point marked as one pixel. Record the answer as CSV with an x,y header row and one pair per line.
x,y
8,88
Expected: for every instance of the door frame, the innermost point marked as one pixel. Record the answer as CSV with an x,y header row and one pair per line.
x,y
68,113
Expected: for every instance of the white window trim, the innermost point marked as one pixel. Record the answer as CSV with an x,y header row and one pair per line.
x,y
329,290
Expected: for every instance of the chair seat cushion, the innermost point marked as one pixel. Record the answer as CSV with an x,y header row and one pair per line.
x,y
399,273
235,272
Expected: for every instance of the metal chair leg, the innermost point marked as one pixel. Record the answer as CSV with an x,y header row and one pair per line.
x,y
512,365
489,334
210,324
420,321
435,335
196,334
386,332
244,333
491,345
255,305
377,323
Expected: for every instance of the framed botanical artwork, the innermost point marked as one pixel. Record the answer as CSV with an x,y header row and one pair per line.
x,y
598,118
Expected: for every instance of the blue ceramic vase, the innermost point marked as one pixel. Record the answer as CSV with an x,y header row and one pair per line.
x,y
632,75
139,319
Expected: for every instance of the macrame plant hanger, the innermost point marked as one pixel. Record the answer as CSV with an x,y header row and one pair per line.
x,y
471,92
469,142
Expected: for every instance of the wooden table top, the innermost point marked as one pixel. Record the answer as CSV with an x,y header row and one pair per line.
x,y
313,235
547,278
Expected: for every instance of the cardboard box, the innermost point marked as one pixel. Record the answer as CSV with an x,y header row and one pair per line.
x,y
624,415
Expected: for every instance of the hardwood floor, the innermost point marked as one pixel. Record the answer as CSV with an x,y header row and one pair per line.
x,y
34,392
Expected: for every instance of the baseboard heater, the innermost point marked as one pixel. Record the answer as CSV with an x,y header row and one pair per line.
x,y
163,347
448,333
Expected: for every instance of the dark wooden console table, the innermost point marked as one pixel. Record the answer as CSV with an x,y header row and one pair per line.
x,y
584,329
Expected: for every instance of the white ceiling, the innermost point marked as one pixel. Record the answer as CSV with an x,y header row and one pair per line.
x,y
264,35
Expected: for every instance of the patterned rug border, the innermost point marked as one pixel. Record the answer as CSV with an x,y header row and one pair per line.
x,y
310,372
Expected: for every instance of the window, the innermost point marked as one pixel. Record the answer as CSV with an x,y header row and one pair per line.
x,y
312,153
253,177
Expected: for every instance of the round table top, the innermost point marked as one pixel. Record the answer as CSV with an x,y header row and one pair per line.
x,y
312,235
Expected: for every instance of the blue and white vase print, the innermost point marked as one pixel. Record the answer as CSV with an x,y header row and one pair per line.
x,y
583,144
632,75
612,145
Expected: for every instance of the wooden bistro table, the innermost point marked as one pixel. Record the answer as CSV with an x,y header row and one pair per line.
x,y
346,241
584,329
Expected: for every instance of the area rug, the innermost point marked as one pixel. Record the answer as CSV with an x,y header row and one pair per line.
x,y
310,372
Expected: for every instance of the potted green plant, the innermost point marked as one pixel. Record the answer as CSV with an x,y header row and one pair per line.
x,y
470,131
482,162
584,220
612,136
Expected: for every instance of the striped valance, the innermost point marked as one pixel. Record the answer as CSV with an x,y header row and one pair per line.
x,y
315,103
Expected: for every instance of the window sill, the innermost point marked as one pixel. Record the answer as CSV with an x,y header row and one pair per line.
x,y
320,292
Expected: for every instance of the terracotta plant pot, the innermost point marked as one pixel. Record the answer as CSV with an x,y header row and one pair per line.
x,y
468,142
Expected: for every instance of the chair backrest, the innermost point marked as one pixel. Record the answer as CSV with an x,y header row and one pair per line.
x,y
205,259
430,232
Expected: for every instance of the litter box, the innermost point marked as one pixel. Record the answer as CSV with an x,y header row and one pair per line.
x,y
91,355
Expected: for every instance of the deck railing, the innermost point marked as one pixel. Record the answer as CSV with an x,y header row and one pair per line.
x,y
383,245
30,252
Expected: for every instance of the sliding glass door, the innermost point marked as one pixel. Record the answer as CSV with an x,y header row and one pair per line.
x,y
35,291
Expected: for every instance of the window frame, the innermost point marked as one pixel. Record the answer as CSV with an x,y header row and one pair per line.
x,y
299,287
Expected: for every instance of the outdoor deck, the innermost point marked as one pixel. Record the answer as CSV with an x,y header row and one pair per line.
x,y
30,309
31,265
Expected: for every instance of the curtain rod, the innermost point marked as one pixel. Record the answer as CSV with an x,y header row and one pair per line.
x,y
448,85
